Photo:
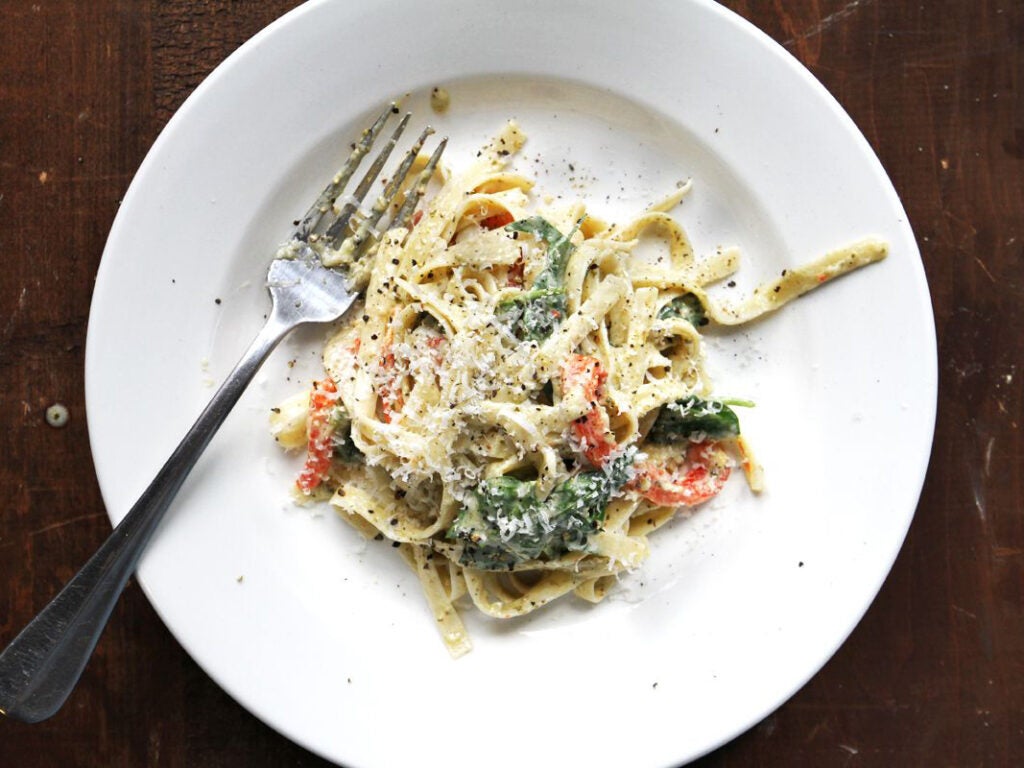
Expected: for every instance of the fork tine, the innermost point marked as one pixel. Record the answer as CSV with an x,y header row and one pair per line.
x,y
325,201
391,190
337,227
413,198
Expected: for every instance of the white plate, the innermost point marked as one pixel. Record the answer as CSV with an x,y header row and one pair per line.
x,y
328,639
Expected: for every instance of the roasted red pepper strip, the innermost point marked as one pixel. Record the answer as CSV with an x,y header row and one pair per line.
x,y
517,273
687,483
497,221
592,429
391,397
320,430
436,343
390,391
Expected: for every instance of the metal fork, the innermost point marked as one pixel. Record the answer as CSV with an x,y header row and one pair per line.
x,y
42,664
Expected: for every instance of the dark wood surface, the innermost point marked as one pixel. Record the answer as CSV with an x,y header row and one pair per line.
x,y
933,675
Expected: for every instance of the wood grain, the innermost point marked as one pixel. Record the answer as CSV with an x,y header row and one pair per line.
x,y
932,676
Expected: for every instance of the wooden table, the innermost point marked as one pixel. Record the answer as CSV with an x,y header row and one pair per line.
x,y
933,675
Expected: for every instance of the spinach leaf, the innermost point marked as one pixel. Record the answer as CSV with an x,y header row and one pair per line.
x,y
688,306
559,248
342,447
533,315
503,522
693,417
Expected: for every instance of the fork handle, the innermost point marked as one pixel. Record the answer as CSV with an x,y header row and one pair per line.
x,y
41,666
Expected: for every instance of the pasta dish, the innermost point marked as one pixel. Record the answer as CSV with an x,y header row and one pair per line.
x,y
519,397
